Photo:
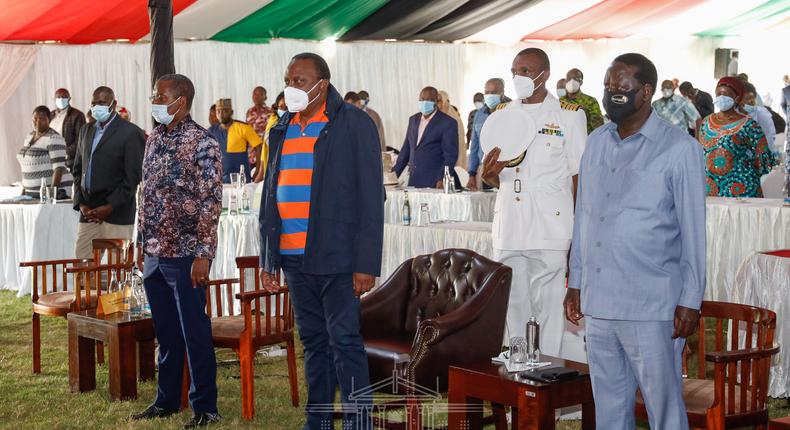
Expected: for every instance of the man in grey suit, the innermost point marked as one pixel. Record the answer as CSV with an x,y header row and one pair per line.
x,y
107,168
638,252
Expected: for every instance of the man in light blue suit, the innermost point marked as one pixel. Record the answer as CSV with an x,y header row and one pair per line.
x,y
638,252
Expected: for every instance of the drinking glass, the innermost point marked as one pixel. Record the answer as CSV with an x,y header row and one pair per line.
x,y
518,350
234,180
53,194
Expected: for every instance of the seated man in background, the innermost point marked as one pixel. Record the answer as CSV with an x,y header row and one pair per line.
x,y
431,144
107,168
235,138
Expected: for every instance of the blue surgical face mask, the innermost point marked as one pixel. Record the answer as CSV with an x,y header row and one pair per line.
x,y
561,92
62,102
100,113
491,100
427,106
281,112
724,103
749,109
160,114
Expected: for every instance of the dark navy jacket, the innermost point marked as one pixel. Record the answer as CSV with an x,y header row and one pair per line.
x,y
438,148
345,233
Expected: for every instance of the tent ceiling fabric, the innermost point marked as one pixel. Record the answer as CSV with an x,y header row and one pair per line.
x,y
498,21
472,17
772,11
300,19
78,21
205,18
612,18
402,19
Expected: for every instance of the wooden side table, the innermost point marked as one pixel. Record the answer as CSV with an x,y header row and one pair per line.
x,y
130,341
533,403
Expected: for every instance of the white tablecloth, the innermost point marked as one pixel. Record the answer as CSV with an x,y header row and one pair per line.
x,y
48,232
764,280
31,232
735,230
465,206
402,242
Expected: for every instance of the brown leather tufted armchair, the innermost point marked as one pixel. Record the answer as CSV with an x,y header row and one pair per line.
x,y
436,310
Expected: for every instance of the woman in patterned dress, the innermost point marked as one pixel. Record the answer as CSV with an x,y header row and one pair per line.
x,y
736,150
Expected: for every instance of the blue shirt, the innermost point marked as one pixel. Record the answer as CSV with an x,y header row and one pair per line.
x,y
475,152
97,135
638,247
677,111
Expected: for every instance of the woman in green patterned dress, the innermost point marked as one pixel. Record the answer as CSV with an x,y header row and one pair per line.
x,y
736,151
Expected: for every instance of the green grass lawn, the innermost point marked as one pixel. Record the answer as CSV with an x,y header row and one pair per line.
x,y
44,402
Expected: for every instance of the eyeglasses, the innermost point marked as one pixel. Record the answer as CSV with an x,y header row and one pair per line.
x,y
156,97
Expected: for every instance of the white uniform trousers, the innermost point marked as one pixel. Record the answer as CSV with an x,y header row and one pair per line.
x,y
538,289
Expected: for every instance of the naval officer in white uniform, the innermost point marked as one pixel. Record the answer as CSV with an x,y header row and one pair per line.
x,y
533,216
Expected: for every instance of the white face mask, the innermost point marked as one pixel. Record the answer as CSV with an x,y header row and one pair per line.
x,y
525,86
573,86
297,100
667,93
62,102
160,114
479,105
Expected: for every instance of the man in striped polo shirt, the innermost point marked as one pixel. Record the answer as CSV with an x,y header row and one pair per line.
x,y
322,223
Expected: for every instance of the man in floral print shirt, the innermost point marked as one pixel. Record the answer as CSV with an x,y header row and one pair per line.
x,y
177,224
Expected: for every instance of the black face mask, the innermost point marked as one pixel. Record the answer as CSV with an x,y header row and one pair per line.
x,y
620,105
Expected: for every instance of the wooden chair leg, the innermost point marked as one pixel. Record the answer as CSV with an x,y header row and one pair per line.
x,y
291,350
36,343
246,360
100,352
500,416
186,382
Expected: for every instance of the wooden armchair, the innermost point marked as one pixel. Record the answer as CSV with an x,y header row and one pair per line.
x,y
52,298
264,319
736,396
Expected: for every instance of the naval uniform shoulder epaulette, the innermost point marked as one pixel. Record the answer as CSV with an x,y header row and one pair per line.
x,y
569,106
501,106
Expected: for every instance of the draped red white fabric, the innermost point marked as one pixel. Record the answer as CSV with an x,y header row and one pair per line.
x,y
613,19
76,21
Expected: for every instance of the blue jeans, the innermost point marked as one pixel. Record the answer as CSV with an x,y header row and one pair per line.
x,y
327,316
182,327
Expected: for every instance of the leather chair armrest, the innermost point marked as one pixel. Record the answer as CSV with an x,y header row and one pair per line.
x,y
383,310
471,333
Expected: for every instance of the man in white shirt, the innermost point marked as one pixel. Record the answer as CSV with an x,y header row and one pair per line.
x,y
67,121
533,216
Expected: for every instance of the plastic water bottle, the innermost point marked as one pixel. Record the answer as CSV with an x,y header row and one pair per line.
x,y
533,341
406,209
242,177
447,180
43,192
233,204
245,200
